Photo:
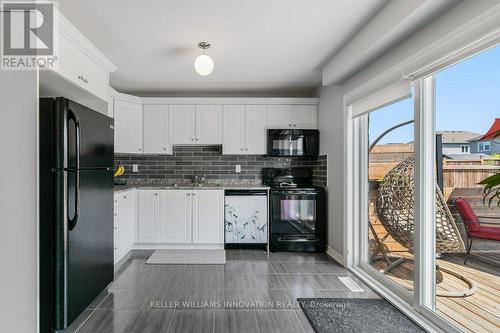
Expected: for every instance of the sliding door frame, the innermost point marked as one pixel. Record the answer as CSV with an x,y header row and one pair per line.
x,y
419,304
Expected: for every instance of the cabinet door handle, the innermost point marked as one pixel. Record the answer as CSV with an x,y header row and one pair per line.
x,y
156,193
139,149
188,194
294,125
197,139
193,194
124,197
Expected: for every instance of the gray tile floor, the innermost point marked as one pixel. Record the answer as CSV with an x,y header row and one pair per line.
x,y
253,292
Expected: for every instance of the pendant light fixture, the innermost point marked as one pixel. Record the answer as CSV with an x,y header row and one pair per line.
x,y
204,65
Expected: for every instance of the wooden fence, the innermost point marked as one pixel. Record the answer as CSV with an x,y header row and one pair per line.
x,y
456,173
467,174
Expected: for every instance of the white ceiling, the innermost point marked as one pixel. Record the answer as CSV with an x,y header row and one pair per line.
x,y
260,47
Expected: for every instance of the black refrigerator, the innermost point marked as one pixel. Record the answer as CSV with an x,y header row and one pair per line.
x,y
76,209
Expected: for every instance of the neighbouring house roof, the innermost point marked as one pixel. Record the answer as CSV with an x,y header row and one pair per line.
x,y
495,128
465,157
457,136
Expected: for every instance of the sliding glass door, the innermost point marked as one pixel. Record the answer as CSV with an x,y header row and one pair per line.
x,y
389,204
423,229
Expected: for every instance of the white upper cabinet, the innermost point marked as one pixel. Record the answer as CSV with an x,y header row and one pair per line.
x,y
279,116
208,216
234,130
182,124
292,116
176,216
305,116
195,124
80,62
153,127
256,129
156,139
245,129
208,124
128,127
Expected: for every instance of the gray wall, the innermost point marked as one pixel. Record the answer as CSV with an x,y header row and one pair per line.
x,y
331,126
18,201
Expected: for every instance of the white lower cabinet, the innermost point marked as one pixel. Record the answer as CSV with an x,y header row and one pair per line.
x,y
149,217
208,217
181,216
124,223
176,217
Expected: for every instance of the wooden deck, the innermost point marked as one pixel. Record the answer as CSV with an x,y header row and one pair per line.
x,y
479,312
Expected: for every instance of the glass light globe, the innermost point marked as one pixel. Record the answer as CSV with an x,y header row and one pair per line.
x,y
204,65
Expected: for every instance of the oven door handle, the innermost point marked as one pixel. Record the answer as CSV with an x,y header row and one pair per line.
x,y
297,240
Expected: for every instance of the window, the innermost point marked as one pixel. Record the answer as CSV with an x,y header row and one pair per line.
x,y
483,146
464,149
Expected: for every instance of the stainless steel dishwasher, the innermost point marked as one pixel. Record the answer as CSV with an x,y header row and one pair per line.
x,y
246,219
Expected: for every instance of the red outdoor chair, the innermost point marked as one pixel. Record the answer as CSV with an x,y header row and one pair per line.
x,y
475,228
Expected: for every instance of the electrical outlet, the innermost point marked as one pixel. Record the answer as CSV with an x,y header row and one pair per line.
x,y
135,167
238,168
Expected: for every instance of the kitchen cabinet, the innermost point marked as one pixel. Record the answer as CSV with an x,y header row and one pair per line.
x,y
208,216
128,127
81,70
292,116
155,133
149,230
234,130
195,124
304,116
245,129
279,116
176,216
78,62
124,223
182,124
256,129
181,216
208,124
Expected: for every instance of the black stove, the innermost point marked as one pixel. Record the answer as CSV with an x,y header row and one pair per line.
x,y
297,210
289,178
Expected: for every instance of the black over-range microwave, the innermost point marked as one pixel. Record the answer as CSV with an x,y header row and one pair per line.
x,y
292,142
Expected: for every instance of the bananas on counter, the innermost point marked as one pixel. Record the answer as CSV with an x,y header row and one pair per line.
x,y
120,171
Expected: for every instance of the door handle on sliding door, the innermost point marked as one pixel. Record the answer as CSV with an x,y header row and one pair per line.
x,y
72,117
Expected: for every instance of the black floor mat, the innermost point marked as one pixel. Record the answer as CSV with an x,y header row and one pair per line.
x,y
355,315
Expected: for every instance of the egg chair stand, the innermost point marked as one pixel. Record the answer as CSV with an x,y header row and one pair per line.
x,y
394,207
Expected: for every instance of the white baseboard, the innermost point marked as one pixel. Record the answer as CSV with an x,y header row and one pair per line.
x,y
142,246
335,255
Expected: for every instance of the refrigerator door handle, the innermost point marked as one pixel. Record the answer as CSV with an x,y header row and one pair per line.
x,y
72,221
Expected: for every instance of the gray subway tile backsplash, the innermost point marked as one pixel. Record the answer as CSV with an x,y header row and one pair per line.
x,y
188,161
